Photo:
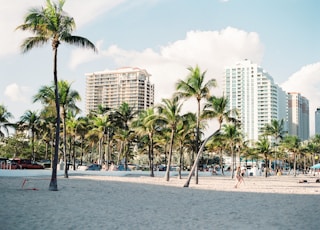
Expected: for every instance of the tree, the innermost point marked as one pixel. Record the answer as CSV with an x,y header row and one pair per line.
x,y
232,138
185,132
275,130
67,103
170,114
216,107
5,115
30,120
52,24
263,147
195,86
122,118
147,124
292,145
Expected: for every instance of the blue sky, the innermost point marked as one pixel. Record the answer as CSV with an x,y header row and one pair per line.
x,y
165,37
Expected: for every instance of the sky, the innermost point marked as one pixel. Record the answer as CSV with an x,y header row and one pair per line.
x,y
165,37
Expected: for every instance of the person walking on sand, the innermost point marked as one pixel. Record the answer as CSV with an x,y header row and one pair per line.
x,y
239,177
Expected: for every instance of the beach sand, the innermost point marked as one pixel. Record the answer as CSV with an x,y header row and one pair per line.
x,y
141,202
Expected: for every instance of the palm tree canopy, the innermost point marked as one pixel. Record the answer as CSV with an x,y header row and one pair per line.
x,y
275,129
194,85
67,96
4,120
51,23
216,107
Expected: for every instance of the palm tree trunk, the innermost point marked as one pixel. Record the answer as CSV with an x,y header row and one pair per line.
x,y
66,165
180,161
197,142
170,156
53,186
198,156
151,156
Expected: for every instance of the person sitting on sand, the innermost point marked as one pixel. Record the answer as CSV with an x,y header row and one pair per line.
x,y
239,177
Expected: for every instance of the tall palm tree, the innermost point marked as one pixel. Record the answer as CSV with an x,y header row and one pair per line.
x,y
5,116
185,132
52,24
263,147
122,117
147,124
275,130
30,121
82,129
195,86
67,102
292,145
170,113
232,137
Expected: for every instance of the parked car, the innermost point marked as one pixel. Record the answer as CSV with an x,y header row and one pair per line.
x,y
93,167
122,168
27,164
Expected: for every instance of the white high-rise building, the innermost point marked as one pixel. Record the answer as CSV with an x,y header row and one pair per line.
x,y
298,116
112,88
317,121
252,91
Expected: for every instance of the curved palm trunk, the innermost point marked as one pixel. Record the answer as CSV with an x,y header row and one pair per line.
x,y
198,156
170,156
53,186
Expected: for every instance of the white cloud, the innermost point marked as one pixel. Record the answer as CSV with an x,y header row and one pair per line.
x,y
211,50
306,82
13,11
17,93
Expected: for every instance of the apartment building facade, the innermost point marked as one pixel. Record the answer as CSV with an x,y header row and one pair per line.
x,y
252,91
112,88
298,108
317,121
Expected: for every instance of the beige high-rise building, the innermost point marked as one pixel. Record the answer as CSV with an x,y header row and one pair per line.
x,y
112,88
298,108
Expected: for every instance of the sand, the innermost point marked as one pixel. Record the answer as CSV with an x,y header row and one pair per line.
x,y
137,201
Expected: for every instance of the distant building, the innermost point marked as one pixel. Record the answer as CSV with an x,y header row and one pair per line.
x,y
112,88
317,121
298,110
252,91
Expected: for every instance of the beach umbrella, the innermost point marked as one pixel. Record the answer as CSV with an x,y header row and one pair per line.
x,y
316,166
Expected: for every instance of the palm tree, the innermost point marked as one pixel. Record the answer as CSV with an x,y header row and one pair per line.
x,y
216,107
194,86
275,130
82,129
147,124
169,113
292,145
30,120
67,102
52,24
185,132
5,115
232,137
122,118
263,147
